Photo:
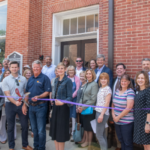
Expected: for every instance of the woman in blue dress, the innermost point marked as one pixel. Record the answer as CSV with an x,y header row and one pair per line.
x,y
76,84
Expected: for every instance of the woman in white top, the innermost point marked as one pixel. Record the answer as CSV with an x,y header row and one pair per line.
x,y
3,133
102,114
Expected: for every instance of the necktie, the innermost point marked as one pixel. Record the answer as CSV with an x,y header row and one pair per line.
x,y
117,84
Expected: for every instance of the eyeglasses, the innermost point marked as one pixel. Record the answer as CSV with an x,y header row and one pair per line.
x,y
78,60
17,83
65,60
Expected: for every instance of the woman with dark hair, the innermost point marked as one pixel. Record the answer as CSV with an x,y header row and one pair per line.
x,y
66,62
141,113
123,102
92,64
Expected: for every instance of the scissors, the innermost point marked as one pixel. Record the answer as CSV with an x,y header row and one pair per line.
x,y
22,99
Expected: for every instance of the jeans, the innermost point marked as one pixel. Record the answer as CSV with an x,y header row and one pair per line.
x,y
125,135
101,131
11,111
37,115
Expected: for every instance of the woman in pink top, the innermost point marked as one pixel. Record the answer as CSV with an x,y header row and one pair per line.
x,y
76,84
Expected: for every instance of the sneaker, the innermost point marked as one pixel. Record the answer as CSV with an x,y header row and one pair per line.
x,y
71,139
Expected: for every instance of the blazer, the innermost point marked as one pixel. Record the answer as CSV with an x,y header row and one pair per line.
x,y
64,91
77,81
89,94
110,73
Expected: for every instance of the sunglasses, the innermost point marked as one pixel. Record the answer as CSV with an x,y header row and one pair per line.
x,y
17,83
66,60
78,60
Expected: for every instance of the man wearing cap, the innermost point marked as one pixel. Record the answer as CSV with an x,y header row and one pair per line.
x,y
26,67
49,69
5,65
12,107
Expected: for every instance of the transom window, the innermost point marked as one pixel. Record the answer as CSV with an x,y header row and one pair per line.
x,y
80,24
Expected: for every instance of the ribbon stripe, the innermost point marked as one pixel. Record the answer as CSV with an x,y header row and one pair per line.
x,y
73,103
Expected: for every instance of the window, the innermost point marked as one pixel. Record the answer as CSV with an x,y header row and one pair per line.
x,y
81,24
3,21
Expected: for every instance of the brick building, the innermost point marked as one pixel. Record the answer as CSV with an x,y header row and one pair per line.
x,y
80,27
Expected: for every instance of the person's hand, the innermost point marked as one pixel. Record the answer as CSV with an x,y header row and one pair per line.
x,y
52,103
147,128
58,103
100,119
4,105
24,109
17,103
80,109
35,98
116,118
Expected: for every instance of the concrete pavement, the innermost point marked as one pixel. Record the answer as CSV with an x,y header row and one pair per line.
x,y
49,143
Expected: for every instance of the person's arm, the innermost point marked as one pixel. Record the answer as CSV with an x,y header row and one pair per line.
x,y
77,81
147,97
130,104
5,88
107,99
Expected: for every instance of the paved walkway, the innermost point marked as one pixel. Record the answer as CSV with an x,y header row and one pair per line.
x,y
49,143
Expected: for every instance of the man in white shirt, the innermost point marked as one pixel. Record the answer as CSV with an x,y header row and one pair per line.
x,y
79,66
146,66
49,69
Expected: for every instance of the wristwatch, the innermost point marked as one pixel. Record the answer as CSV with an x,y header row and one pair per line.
x,y
147,122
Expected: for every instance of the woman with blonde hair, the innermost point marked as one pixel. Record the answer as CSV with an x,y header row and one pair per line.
x,y
59,129
88,97
71,72
102,114
27,74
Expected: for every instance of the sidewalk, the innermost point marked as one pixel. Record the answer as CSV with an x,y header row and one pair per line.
x,y
49,143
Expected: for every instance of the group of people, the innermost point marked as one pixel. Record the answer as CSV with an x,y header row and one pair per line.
x,y
128,98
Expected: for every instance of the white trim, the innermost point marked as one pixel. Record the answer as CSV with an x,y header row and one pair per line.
x,y
3,3
21,62
57,29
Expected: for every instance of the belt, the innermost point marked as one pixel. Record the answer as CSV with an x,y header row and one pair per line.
x,y
35,104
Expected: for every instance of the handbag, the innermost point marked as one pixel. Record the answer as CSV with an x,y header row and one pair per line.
x,y
78,132
89,110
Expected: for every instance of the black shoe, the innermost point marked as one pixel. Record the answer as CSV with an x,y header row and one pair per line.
x,y
35,148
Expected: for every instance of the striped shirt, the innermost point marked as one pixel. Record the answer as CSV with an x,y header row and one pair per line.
x,y
120,102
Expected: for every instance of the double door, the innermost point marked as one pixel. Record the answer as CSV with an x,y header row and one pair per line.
x,y
86,49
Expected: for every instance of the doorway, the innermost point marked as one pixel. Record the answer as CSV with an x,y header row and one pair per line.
x,y
86,49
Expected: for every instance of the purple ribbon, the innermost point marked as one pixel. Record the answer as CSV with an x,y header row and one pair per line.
x,y
79,104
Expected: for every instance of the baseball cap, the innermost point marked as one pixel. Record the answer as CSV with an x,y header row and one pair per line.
x,y
26,66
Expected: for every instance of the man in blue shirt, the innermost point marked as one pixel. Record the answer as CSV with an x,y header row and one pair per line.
x,y
39,87
102,68
49,69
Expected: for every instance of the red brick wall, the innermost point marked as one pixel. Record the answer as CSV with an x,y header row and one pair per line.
x,y
29,35
132,33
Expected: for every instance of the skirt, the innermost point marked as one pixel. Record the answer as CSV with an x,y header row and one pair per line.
x,y
59,123
86,121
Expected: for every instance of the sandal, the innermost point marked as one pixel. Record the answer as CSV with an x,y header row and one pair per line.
x,y
4,142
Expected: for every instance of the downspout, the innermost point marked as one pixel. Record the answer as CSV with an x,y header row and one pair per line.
x,y
111,35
